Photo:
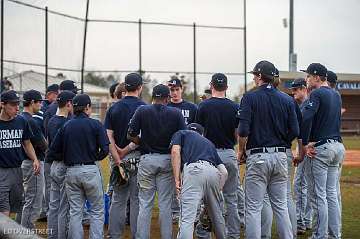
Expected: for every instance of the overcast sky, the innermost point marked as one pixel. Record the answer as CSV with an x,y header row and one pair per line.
x,y
325,31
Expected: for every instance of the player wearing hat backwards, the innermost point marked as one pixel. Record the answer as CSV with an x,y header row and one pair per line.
x,y
219,117
188,110
199,174
116,123
15,134
52,92
157,123
267,123
321,140
82,142
58,217
33,184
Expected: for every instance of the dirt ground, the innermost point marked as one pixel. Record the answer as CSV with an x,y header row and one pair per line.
x,y
352,158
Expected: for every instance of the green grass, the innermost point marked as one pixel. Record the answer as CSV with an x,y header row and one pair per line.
x,y
352,142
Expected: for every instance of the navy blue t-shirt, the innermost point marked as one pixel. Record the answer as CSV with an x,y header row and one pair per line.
x,y
157,124
118,117
38,139
195,147
12,134
188,110
267,118
54,125
322,116
81,140
219,117
50,112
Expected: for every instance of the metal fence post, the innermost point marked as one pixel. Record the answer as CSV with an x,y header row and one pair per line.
x,y
2,46
140,48
245,60
194,70
46,48
84,46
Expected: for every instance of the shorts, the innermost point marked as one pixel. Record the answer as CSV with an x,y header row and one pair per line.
x,y
11,190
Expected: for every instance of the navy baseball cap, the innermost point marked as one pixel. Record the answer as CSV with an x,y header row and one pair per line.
x,y
331,77
112,88
68,85
133,80
174,83
81,100
195,127
52,88
10,96
316,69
265,68
32,95
219,79
161,91
297,83
65,96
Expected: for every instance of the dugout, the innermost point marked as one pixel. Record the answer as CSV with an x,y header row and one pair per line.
x,y
349,87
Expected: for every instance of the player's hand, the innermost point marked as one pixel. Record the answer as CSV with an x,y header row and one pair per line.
x,y
117,161
310,150
36,167
121,152
297,160
241,157
178,188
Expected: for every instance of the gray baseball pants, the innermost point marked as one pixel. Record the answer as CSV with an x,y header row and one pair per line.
x,y
303,207
33,191
232,218
266,172
47,188
323,183
84,183
200,180
267,214
155,174
120,197
58,216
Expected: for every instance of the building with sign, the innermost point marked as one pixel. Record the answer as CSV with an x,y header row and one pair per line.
x,y
349,87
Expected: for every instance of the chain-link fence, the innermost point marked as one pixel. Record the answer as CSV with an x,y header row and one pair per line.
x,y
43,40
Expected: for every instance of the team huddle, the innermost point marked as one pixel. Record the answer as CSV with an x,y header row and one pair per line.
x,y
186,154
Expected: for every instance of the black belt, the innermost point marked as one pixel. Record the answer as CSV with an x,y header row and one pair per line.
x,y
264,150
324,141
81,164
203,161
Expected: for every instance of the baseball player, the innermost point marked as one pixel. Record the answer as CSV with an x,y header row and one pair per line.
x,y
116,123
52,108
267,123
218,116
157,123
189,111
15,134
267,214
199,174
52,92
332,80
58,216
303,207
33,184
82,142
321,139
